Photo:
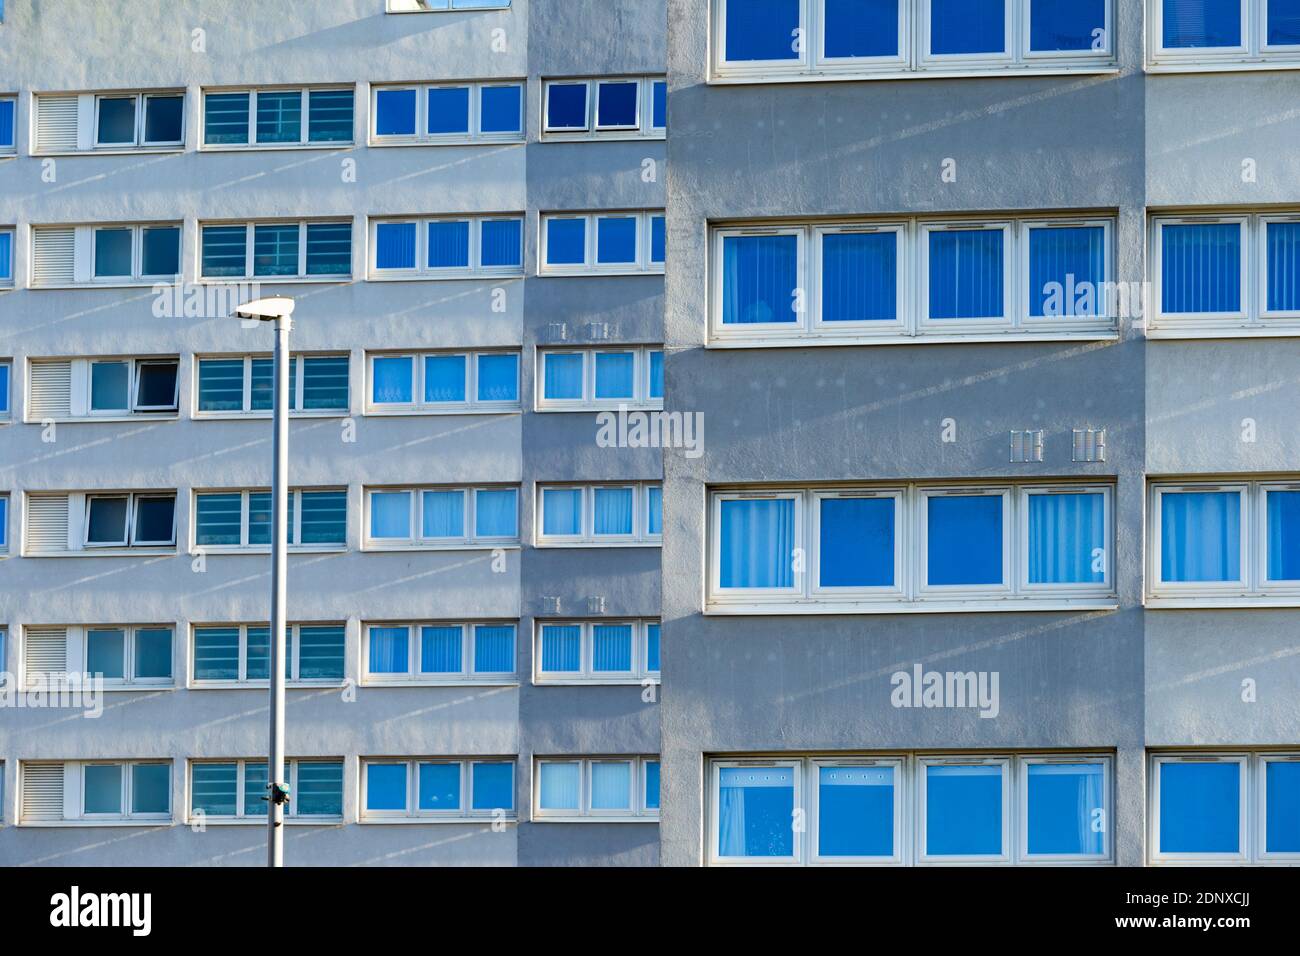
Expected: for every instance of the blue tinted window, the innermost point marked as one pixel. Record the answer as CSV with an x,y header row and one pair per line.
x,y
655,510
499,109
1067,267
963,810
566,241
390,514
859,277
225,118
759,278
1066,25
652,647
1283,535
395,113
861,28
4,389
1283,258
1200,536
496,513
448,110
560,785
391,380
279,117
493,786
320,788
659,96
757,543
613,510
1284,22
443,514
163,118
611,647
755,811
1065,533
1066,808
762,29
116,121
329,116
566,106
160,251
855,811
966,273
151,788
562,511
616,104
395,245
1200,267
389,648
1282,810
320,652
104,653
656,374
385,786
616,240
324,517
275,250
652,784
329,248
498,378
562,376
103,788
1200,807
216,653
6,256
214,789
153,647
225,250
444,378
449,245
1201,23
656,238
6,123
561,648
494,650
440,650
611,785
615,374
439,786
217,519
967,26
964,539
112,253
325,382
856,547
502,241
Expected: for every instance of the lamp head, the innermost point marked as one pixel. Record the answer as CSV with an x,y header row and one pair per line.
x,y
266,310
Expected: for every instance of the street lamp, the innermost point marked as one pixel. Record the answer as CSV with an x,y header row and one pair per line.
x,y
277,309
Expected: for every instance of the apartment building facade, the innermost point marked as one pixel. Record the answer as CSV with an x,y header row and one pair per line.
x,y
974,324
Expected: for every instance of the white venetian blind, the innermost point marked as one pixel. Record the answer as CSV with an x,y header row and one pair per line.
x,y
45,654
53,256
51,391
47,524
42,797
56,123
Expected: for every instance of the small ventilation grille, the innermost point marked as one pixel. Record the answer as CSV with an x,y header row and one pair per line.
x,y
42,791
1090,444
45,655
1027,445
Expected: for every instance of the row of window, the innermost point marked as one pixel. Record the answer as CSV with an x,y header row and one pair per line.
x,y
759,40
407,790
991,809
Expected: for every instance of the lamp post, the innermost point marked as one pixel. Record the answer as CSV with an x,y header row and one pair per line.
x,y
277,309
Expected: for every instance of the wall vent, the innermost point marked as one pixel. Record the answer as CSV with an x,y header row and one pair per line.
x,y
1090,444
1027,445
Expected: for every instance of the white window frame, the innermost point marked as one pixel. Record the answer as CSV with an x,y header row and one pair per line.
x,y
4,550
898,767
295,507
1267,316
425,272
424,138
1023,763
250,232
923,855
1022,295
130,633
412,813
986,324
304,130
414,677
257,816
141,105
133,409
10,149
418,406
757,763
128,781
6,390
640,536
7,281
815,243
1024,493
293,647
444,6
1253,544
138,275
928,58
1246,318
900,587
1262,854
1254,52
637,811
129,540
416,540
298,367
640,398
589,265
799,576
643,128
640,673
1242,759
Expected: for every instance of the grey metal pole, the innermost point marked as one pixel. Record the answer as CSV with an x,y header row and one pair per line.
x,y
279,547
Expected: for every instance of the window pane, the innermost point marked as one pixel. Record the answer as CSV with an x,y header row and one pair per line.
x,y
324,517
1200,536
217,519
1067,25
255,788
963,810
654,510
225,118
257,658
761,30
855,811
861,28
320,788
395,113
615,374
213,789
1201,23
153,653
386,786
652,784
262,385
566,242
494,649
107,521
390,514
756,811
7,123
967,26
656,238
964,539
611,648
1200,807
103,788
966,273
330,116
493,785
561,511
162,118
155,385
656,374
561,648
6,256
444,514
562,375
224,251
759,279
566,106
395,245
444,378
1283,23
1067,539
652,647
109,386
757,544
329,248
613,510
325,383
659,96
439,786
161,250
499,109
1067,808
1067,269
448,110
259,517
389,650
320,652
1283,253
1282,813
391,380
279,117
104,653
611,785
150,788
275,250
616,104
560,785
1283,535
502,243
498,378
1200,267
112,253
216,653
440,650
116,121
496,514
449,245
859,276
856,543
616,240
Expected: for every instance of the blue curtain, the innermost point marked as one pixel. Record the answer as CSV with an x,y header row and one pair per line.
x,y
856,547
395,245
859,277
561,648
1284,535
1064,529
562,511
440,649
449,245
611,785
615,375
566,106
389,650
967,26
611,647
759,278
762,30
1283,254
391,380
6,256
966,273
498,377
964,540
562,375
656,374
390,514
1200,267
655,510
1200,536
502,242
963,810
657,227
861,28
1283,22
1058,25
1201,23
444,378
757,543
755,811
493,785
616,103
652,784
494,648
652,648
613,510
1074,258
1063,800
444,514
560,784
496,513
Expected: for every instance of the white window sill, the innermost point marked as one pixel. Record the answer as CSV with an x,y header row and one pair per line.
x,y
930,72
459,277
108,419
266,416
554,545
92,824
622,136
1289,330
273,147
603,406
596,681
612,818
390,142
107,553
1006,605
171,149
486,820
458,410
207,821
1237,65
460,682
132,284
1207,602
551,273
274,280
210,550
395,549
263,685
129,688
786,340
